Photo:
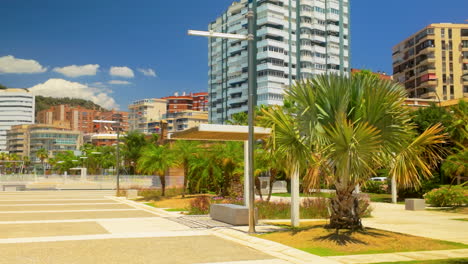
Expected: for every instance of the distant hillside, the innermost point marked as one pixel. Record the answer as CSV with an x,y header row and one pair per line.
x,y
43,103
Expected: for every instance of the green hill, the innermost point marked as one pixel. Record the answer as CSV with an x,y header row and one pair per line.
x,y
43,103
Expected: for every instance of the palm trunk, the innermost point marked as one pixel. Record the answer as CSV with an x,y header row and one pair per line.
x,y
345,211
258,187
185,179
162,179
273,174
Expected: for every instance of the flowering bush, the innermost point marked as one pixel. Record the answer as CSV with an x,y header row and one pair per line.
x,y
447,196
201,204
375,187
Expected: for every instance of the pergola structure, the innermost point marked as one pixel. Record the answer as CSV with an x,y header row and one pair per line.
x,y
210,132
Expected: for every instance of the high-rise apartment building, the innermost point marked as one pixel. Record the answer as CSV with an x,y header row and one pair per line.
x,y
433,63
16,107
296,39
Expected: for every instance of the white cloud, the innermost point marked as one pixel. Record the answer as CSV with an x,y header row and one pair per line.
x,y
121,72
77,71
148,72
119,82
10,64
62,88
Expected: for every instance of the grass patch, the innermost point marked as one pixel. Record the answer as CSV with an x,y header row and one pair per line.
x,y
314,238
176,202
319,194
461,219
175,209
457,210
437,261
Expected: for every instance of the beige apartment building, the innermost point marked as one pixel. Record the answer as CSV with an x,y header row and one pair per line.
x,y
433,63
144,111
26,140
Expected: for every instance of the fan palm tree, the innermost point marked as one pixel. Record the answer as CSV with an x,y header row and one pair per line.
x,y
348,128
42,154
186,151
156,160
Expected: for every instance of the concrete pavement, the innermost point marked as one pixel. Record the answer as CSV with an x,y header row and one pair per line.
x,y
92,227
430,224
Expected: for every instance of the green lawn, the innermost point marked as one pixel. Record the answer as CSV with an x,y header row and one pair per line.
x,y
439,261
314,238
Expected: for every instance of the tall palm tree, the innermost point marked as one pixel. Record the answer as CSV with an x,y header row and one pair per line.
x,y
156,160
348,127
229,158
186,151
42,154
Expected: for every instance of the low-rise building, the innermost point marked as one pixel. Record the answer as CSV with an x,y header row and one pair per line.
x,y
26,140
81,119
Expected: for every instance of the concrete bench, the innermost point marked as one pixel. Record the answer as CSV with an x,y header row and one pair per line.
x,y
415,204
231,214
13,187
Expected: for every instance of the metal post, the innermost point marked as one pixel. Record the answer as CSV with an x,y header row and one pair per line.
x,y
117,165
252,65
246,175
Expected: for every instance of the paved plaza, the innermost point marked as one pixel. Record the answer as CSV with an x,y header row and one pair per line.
x,y
91,227
95,227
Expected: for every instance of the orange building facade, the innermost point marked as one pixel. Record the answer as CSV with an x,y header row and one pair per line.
x,y
193,101
81,119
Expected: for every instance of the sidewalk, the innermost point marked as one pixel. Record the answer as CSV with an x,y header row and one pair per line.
x,y
430,224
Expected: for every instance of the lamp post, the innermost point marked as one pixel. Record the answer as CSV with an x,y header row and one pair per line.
x,y
252,77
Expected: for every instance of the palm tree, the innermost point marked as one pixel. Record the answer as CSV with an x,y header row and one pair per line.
x,y
134,143
456,165
156,160
348,128
229,158
185,152
42,154
287,142
3,157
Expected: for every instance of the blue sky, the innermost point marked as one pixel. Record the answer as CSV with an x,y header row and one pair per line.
x,y
151,34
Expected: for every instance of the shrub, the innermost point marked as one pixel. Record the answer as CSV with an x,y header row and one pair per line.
x,y
200,205
149,194
447,196
375,187
310,209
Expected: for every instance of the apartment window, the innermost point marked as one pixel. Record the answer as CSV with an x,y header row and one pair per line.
x,y
450,33
450,56
444,92
465,89
452,92
451,79
443,45
442,32
451,67
444,78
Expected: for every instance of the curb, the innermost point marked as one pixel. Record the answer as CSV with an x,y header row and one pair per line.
x,y
274,249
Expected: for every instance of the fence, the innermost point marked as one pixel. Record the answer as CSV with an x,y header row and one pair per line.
x,y
95,182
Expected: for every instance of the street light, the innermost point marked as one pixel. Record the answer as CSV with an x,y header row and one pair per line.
x,y
252,76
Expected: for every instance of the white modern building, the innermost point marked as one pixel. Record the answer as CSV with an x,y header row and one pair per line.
x,y
16,108
318,40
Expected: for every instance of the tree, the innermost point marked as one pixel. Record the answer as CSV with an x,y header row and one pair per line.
x,y
3,87
156,160
134,142
42,154
345,129
230,159
186,151
240,119
456,165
